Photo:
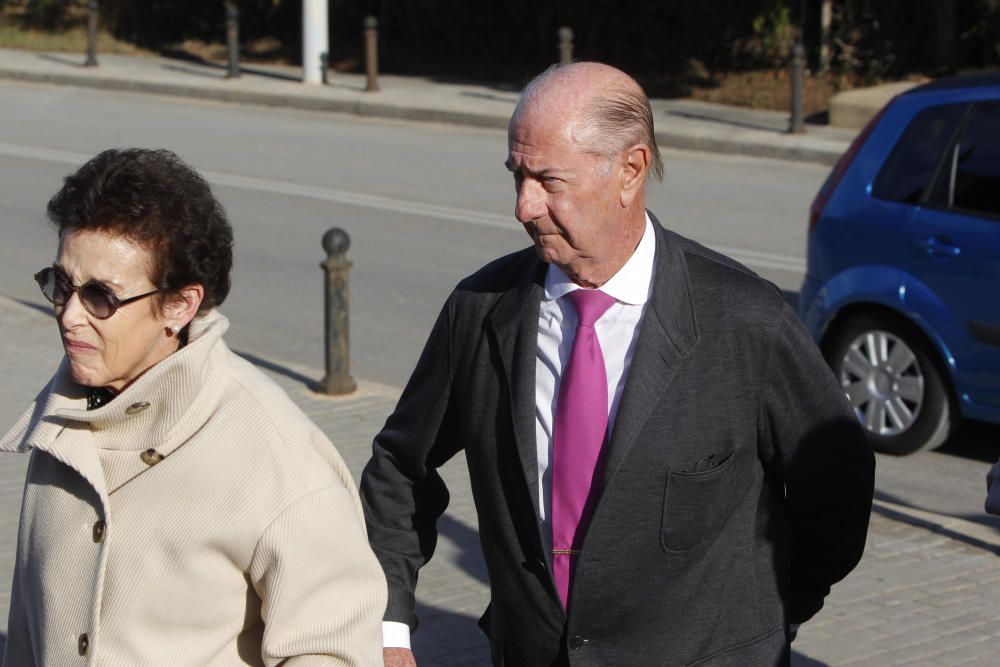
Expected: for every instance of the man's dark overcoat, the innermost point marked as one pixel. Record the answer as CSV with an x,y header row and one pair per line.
x,y
737,487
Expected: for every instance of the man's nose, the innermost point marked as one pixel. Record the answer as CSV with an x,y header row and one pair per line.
x,y
530,203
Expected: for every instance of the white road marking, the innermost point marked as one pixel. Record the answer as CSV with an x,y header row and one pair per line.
x,y
752,258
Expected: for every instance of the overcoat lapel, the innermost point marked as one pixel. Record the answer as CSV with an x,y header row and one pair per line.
x,y
43,426
514,323
667,332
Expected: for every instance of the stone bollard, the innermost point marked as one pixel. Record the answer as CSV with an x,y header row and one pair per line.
x,y
565,45
338,378
233,39
91,34
797,75
371,54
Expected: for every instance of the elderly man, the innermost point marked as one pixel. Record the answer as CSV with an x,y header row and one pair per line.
x,y
664,468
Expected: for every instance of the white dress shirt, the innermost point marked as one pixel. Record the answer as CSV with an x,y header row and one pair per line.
x,y
617,331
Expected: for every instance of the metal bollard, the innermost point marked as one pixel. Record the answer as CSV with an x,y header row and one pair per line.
x,y
91,34
338,378
371,54
565,45
233,39
324,67
797,75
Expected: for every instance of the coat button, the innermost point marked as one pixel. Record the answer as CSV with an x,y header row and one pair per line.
x,y
137,407
99,531
577,642
151,457
83,644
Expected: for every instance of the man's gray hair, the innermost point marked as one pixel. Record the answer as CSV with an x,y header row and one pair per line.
x,y
613,121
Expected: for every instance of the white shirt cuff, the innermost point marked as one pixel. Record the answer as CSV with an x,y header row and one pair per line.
x,y
395,635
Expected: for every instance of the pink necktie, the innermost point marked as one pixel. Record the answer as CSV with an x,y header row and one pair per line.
x,y
581,422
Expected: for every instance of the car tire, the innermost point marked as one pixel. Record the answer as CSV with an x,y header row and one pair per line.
x,y
893,382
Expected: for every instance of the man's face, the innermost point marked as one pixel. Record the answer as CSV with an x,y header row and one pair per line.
x,y
567,199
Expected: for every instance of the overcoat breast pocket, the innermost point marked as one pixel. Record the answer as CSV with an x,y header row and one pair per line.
x,y
696,504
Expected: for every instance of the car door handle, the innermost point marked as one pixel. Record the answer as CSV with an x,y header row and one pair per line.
x,y
935,246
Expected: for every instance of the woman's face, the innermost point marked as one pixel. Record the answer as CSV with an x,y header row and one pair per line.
x,y
112,352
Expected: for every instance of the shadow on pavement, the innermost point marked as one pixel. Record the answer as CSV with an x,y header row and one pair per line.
x,y
439,632
470,559
446,634
975,440
799,660
44,309
981,519
310,383
62,60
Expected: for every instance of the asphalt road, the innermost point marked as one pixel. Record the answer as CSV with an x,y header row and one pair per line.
x,y
424,206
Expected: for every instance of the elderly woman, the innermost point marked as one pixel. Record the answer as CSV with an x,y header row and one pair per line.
x,y
178,508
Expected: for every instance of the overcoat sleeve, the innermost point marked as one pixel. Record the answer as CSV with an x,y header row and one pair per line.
x,y
809,430
401,491
322,593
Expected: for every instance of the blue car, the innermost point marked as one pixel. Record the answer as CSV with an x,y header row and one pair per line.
x,y
902,286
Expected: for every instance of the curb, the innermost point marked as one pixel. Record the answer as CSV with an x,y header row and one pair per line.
x,y
301,102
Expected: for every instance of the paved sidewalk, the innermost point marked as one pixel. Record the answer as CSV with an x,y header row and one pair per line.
x,y
684,124
926,593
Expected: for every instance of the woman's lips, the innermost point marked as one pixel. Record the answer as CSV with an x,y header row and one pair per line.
x,y
77,347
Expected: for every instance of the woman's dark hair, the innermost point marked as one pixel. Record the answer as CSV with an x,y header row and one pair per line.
x,y
155,200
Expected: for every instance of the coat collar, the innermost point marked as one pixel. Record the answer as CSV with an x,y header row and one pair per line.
x,y
160,410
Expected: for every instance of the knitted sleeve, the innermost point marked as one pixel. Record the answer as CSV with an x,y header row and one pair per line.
x,y
322,591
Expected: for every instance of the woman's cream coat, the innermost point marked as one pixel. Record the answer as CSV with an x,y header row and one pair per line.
x,y
199,518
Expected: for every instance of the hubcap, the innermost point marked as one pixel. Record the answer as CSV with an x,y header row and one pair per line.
x,y
883,381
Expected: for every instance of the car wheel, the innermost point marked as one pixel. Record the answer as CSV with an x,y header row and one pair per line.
x,y
893,383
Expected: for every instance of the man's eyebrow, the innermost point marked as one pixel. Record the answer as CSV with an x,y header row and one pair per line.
x,y
541,173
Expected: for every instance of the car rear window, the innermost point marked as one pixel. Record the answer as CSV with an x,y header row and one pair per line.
x,y
915,157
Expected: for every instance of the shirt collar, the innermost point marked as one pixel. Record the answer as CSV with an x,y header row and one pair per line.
x,y
629,285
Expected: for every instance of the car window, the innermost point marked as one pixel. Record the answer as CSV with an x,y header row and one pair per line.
x,y
974,166
915,157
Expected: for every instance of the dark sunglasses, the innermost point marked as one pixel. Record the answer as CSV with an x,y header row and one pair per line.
x,y
97,298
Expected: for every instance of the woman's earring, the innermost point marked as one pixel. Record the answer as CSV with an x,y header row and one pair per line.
x,y
175,328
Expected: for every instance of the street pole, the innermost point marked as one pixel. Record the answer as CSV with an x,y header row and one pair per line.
x,y
371,54
797,124
337,267
315,40
91,34
565,45
233,39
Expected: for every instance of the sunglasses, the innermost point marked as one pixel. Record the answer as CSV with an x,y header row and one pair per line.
x,y
97,298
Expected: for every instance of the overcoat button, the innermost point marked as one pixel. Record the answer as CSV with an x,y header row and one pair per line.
x,y
83,644
99,531
151,457
577,642
137,407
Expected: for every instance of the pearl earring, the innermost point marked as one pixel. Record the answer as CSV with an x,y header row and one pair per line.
x,y
176,329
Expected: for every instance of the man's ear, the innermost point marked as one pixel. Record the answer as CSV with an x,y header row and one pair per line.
x,y
635,165
181,307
